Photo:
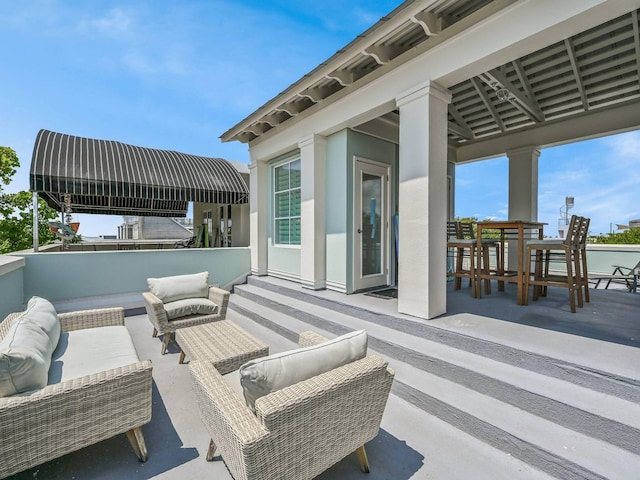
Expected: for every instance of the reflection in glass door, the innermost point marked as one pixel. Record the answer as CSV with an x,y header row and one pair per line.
x,y
371,224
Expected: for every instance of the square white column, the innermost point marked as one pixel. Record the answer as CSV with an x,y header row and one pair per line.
x,y
313,160
423,201
523,190
258,201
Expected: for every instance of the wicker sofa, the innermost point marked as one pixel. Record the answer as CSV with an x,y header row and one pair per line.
x,y
298,431
41,424
190,293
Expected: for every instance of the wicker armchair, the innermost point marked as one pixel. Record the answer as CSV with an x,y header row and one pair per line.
x,y
162,325
44,424
301,430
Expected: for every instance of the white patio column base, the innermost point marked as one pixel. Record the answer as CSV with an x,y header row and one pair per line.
x,y
423,201
313,159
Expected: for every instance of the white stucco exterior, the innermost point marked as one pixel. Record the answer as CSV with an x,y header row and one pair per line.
x,y
405,107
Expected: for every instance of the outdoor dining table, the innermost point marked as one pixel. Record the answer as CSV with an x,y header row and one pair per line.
x,y
520,230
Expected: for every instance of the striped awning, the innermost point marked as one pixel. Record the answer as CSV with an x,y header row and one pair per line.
x,y
107,177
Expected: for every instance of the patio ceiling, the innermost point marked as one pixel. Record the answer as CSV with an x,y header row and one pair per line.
x,y
113,178
595,70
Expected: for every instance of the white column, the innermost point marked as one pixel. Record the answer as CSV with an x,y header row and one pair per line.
x,y
313,159
423,201
258,201
523,183
523,189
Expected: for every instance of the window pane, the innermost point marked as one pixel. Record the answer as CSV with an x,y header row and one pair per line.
x,y
295,203
282,204
295,231
282,231
282,178
295,174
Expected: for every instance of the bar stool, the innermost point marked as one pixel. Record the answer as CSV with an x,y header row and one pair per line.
x,y
572,252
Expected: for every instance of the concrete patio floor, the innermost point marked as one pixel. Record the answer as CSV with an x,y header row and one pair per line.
x,y
412,444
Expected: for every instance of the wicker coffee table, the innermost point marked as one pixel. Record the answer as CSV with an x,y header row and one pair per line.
x,y
223,343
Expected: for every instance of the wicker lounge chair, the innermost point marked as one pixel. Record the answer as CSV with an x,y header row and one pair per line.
x,y
157,307
42,424
299,431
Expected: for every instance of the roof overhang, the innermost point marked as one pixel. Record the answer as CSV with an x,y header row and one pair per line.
x,y
113,178
587,76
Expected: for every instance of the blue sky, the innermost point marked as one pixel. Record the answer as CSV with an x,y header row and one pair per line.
x,y
176,75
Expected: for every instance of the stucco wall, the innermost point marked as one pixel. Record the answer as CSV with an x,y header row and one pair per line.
x,y
64,276
11,285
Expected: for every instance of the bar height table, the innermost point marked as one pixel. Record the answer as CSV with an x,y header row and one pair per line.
x,y
507,228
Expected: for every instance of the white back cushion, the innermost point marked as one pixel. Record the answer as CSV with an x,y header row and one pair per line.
x,y
262,376
178,287
25,352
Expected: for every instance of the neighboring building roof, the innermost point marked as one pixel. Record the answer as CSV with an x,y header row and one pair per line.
x,y
108,177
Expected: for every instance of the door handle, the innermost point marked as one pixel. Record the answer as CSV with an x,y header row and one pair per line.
x,y
359,231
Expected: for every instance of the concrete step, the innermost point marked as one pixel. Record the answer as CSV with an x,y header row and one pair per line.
x,y
572,423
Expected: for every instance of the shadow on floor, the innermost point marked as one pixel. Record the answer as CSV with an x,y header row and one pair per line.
x,y
114,458
389,459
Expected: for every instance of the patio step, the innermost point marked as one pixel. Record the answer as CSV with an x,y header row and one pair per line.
x,y
562,419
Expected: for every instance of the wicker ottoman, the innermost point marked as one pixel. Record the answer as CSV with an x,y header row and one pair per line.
x,y
223,343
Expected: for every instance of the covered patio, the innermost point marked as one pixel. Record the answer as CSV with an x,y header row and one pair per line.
x,y
432,85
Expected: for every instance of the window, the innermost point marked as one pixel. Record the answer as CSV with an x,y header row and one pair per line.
x,y
286,204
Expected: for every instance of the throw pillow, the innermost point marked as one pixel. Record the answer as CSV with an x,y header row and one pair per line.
x,y
178,287
25,352
190,306
264,375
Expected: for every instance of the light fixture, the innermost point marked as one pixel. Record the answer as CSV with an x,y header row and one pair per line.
x,y
503,94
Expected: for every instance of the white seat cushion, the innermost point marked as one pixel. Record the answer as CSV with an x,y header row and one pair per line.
x,y
25,351
264,375
90,351
177,287
189,306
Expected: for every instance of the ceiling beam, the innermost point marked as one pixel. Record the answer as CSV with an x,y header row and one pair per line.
x,y
460,131
487,102
574,128
524,80
568,44
526,105
461,124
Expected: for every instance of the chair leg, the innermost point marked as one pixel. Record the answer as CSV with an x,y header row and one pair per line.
x,y
585,275
577,278
165,342
136,439
486,268
155,333
571,283
527,276
362,458
211,451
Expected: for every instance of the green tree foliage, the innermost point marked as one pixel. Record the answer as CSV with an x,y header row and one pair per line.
x,y
16,211
629,237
